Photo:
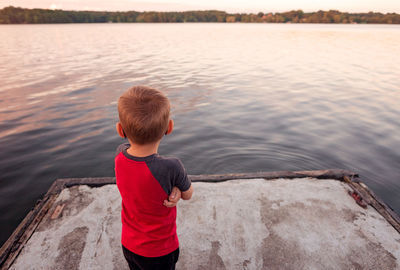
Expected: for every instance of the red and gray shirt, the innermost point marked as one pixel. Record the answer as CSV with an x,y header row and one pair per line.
x,y
148,227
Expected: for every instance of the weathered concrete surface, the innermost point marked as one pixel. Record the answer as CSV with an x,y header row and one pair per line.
x,y
242,224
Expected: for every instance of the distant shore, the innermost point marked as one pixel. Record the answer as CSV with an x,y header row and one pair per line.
x,y
15,15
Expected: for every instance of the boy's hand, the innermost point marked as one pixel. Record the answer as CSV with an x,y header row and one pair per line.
x,y
173,198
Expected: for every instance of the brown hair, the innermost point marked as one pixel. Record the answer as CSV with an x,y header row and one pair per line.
x,y
144,114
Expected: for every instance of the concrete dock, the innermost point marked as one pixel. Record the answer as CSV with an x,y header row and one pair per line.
x,y
259,223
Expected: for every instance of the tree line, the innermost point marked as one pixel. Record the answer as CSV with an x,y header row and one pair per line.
x,y
16,15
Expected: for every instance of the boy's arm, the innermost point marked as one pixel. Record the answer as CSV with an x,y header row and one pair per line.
x,y
186,195
173,198
176,195
180,181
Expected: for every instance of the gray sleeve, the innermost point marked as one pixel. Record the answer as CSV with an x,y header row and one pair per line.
x,y
169,172
181,179
120,148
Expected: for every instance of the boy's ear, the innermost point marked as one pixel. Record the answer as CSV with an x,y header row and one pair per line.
x,y
120,130
170,127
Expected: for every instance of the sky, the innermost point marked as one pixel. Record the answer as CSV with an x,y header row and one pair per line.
x,y
225,5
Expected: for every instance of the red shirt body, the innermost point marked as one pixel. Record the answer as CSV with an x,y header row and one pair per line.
x,y
148,227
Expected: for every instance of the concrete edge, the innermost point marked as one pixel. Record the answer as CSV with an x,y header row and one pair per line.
x,y
13,246
378,204
337,174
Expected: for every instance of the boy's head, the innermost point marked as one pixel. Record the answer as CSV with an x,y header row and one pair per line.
x,y
143,115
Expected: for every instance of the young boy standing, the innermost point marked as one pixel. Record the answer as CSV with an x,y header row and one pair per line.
x,y
150,185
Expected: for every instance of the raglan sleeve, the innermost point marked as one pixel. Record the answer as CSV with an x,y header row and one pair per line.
x,y
120,148
181,180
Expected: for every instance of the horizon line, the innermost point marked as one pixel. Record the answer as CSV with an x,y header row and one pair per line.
x,y
265,12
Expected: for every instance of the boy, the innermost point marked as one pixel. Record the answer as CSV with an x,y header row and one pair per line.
x,y
150,185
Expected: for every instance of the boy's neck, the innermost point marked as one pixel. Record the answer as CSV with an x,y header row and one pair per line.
x,y
143,150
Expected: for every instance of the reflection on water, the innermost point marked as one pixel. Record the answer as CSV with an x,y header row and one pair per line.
x,y
246,97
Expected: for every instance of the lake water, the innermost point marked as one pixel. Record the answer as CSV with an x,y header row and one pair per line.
x,y
246,98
